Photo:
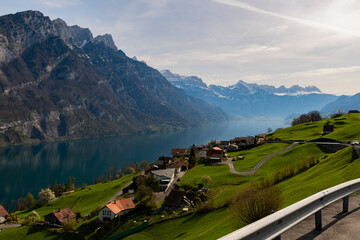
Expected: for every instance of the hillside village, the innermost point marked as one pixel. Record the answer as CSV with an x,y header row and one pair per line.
x,y
170,188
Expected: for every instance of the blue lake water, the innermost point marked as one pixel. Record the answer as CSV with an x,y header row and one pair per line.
x,y
28,168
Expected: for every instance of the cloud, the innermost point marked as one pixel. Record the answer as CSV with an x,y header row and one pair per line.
x,y
306,22
59,4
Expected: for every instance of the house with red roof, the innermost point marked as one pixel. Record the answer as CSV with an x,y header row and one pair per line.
x,y
3,214
178,152
116,208
58,218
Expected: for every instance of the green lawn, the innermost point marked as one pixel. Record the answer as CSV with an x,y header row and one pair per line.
x,y
34,233
338,168
346,128
254,155
205,226
85,200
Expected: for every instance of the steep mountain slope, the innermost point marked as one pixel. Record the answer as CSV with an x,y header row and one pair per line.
x,y
252,100
57,81
343,103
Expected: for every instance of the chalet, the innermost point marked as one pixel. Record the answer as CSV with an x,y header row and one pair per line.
x,y
58,218
178,152
150,168
3,214
163,161
201,154
232,148
260,138
328,128
215,154
244,141
353,111
165,177
176,199
115,208
224,144
179,166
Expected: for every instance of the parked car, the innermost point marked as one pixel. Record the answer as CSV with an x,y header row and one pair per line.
x,y
348,142
354,142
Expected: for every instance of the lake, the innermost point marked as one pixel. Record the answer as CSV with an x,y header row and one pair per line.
x,y
28,168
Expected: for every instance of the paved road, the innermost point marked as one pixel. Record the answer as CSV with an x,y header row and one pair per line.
x,y
336,225
3,226
256,168
119,193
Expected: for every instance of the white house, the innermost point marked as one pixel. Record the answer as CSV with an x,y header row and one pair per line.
x,y
165,177
115,208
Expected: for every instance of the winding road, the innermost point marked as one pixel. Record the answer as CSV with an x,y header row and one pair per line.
x,y
256,168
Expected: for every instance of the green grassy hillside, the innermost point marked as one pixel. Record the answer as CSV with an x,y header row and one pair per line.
x,y
84,200
347,127
332,169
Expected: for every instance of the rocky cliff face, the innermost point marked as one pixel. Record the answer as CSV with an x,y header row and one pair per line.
x,y
57,81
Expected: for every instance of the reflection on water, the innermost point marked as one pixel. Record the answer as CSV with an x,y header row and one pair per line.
x,y
28,168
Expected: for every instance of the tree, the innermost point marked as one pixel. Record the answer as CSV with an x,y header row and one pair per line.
x,y
30,200
71,185
21,204
144,164
46,195
69,226
192,158
143,194
32,218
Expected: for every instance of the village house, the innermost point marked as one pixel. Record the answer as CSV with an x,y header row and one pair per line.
x,y
176,199
3,214
164,176
178,152
260,138
162,162
179,166
224,144
328,128
215,154
232,148
60,217
353,111
244,141
202,153
115,208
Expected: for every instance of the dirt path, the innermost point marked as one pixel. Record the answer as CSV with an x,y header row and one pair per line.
x,y
256,168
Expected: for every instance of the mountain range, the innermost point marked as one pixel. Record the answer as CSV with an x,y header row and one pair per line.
x,y
247,100
344,104
59,82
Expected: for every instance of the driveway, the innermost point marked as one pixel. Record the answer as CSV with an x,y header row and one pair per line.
x,y
161,195
256,168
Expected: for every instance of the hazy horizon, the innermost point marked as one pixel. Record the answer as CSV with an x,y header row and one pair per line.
x,y
224,41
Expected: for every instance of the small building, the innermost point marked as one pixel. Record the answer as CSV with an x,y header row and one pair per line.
x,y
202,154
260,138
150,168
244,141
224,144
232,148
179,166
328,128
116,208
165,177
178,152
58,218
353,111
176,199
163,161
215,154
3,214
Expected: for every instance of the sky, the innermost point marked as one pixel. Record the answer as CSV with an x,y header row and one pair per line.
x,y
277,42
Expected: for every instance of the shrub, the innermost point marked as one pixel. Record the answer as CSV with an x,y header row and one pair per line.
x,y
69,226
32,218
254,202
46,195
